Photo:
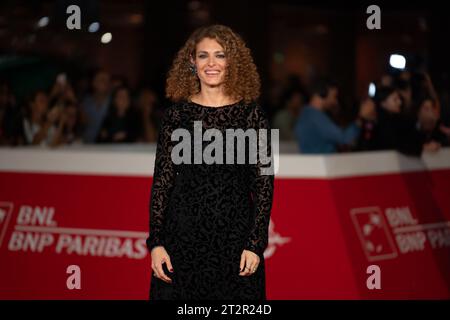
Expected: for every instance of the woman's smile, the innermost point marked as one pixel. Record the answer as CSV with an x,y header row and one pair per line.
x,y
212,73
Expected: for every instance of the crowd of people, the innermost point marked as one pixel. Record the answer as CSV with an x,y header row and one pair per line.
x,y
109,112
401,115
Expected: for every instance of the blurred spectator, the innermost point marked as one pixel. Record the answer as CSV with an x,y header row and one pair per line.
x,y
273,99
405,75
406,94
118,80
62,91
69,126
285,118
147,104
429,128
386,80
122,123
39,123
82,85
276,94
315,131
95,106
368,125
10,117
393,130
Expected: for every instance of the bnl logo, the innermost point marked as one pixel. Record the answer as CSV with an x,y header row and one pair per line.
x,y
373,232
6,209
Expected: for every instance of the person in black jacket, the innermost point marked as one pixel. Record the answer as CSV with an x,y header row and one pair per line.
x,y
122,122
392,130
409,133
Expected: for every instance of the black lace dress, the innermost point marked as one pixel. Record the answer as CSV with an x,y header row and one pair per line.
x,y
206,214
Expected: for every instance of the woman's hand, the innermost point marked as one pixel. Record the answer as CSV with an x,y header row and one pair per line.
x,y
432,146
160,256
249,263
119,136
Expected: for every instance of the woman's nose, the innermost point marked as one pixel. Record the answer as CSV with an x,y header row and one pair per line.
x,y
211,62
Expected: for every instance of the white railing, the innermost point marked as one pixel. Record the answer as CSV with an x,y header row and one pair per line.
x,y
138,160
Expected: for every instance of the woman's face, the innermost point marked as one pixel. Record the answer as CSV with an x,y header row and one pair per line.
x,y
392,103
40,104
101,82
122,100
211,62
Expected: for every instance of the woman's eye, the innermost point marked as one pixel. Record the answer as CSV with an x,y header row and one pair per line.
x,y
202,56
221,56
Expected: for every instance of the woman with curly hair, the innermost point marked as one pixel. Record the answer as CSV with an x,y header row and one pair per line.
x,y
209,221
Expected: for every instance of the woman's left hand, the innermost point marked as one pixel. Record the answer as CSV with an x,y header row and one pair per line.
x,y
249,263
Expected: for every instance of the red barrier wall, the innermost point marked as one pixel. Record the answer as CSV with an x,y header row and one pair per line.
x,y
332,218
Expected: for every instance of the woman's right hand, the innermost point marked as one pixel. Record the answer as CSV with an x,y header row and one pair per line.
x,y
160,256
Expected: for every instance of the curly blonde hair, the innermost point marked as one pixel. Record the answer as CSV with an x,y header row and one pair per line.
x,y
241,77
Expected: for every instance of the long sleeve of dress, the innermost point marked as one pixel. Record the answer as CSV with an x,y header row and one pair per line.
x,y
262,188
163,180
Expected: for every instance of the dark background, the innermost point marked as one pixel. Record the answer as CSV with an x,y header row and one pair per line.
x,y
305,38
